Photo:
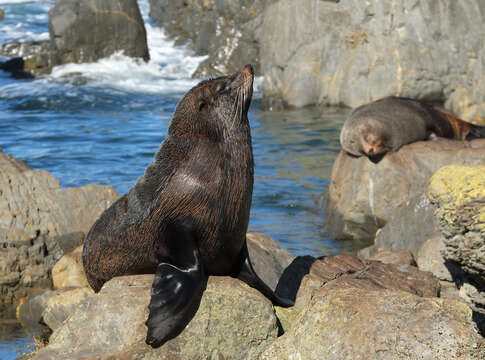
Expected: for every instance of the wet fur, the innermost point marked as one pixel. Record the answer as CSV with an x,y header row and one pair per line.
x,y
198,161
187,216
397,121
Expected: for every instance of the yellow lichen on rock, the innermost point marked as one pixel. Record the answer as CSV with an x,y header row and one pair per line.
x,y
456,189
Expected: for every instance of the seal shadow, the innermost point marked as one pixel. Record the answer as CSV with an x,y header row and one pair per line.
x,y
459,277
291,278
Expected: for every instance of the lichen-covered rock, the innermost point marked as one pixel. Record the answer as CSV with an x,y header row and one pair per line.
x,y
370,323
68,272
234,321
39,222
458,193
364,196
349,52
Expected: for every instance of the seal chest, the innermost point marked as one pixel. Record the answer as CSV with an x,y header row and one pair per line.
x,y
187,216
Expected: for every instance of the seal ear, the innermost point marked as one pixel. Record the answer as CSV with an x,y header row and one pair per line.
x,y
177,288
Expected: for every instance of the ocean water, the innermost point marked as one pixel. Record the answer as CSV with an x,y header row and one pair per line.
x,y
103,122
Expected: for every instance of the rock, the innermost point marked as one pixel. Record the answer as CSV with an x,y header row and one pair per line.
x,y
38,222
364,196
62,305
234,321
430,259
268,257
458,192
31,308
80,31
352,52
68,272
227,31
356,323
2,14
85,31
395,257
343,270
30,57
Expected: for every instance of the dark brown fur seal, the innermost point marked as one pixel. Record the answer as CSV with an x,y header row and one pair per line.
x,y
187,216
387,124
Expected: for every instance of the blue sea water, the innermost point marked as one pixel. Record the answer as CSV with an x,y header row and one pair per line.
x,y
103,122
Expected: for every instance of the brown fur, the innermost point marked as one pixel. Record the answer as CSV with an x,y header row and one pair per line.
x,y
391,122
201,179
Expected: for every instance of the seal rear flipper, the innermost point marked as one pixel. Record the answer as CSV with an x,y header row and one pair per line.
x,y
176,293
249,276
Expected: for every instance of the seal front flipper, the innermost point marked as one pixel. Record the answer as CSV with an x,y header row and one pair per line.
x,y
249,276
176,291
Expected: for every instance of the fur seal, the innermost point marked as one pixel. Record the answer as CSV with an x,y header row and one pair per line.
x,y
187,216
391,122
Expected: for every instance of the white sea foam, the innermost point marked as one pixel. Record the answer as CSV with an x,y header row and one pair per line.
x,y
7,2
169,70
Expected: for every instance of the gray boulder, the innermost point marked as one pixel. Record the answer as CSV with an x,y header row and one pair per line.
x,y
347,308
227,31
80,31
350,52
39,222
85,31
364,196
233,321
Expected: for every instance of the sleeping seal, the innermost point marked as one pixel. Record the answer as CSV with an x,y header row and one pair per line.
x,y
391,122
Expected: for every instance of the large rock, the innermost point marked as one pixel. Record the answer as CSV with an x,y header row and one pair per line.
x,y
349,52
306,274
81,31
370,323
347,308
227,31
459,195
85,31
63,304
364,196
39,222
234,321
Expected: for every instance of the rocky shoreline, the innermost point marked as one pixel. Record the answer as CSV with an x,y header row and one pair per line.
x,y
345,306
339,53
417,292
